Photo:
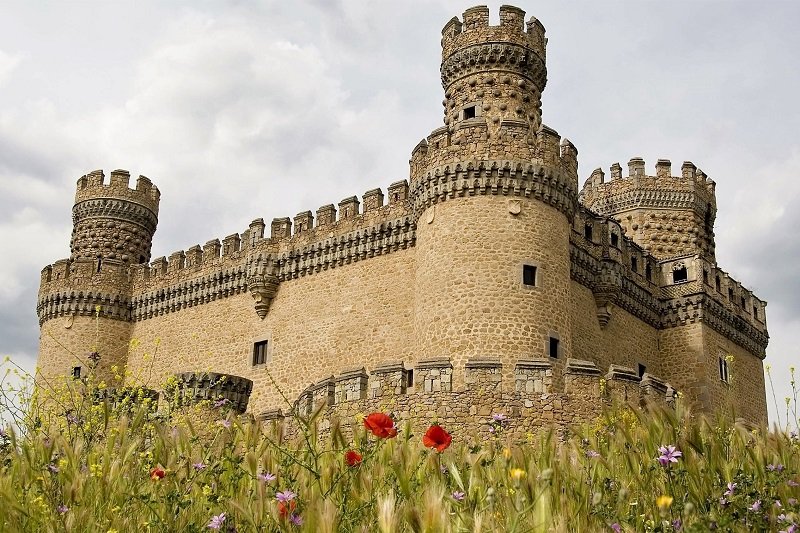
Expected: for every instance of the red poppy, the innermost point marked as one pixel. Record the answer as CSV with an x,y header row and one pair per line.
x,y
157,473
380,425
352,458
436,437
284,508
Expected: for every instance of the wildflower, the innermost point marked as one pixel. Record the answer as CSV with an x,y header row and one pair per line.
x,y
792,501
459,496
53,468
499,418
792,483
216,521
72,419
206,490
669,454
491,429
381,425
285,496
591,454
94,357
517,473
62,509
199,466
731,488
616,527
677,524
157,473
443,469
352,458
296,519
221,402
285,508
756,506
664,501
225,423
775,468
266,477
507,453
436,437
791,529
723,501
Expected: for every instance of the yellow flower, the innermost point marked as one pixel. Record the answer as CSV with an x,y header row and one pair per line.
x,y
517,473
664,501
507,453
206,490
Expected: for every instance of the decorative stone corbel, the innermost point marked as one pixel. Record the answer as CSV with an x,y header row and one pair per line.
x,y
606,291
262,283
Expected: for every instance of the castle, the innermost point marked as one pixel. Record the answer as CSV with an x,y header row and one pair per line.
x,y
487,282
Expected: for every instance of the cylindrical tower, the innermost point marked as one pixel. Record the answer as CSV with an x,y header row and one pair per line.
x,y
84,301
494,193
112,221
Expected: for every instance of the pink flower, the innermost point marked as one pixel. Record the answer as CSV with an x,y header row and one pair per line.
x,y
669,454
216,521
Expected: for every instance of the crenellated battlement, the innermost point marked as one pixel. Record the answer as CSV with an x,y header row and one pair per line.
x,y
93,185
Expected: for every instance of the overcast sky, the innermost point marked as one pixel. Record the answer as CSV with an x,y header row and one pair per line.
x,y
242,110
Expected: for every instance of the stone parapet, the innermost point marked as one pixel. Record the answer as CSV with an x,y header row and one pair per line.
x,y
192,387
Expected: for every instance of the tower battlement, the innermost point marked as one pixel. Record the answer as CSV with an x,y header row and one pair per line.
x,y
93,185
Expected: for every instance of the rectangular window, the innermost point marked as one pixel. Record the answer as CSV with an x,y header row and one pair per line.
x,y
679,275
614,240
260,353
723,369
730,294
744,302
587,232
529,275
755,312
705,276
76,372
717,284
634,264
410,377
553,348
648,273
642,369
469,112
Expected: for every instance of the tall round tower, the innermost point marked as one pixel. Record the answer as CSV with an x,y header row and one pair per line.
x,y
112,221
84,301
494,193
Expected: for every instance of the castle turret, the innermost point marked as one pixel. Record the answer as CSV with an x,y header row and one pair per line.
x,y
494,192
668,215
84,301
113,221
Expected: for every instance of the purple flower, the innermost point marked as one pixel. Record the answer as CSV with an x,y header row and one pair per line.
x,y
791,529
616,527
731,488
773,468
459,496
792,483
72,419
793,435
296,519
778,504
677,524
723,501
266,477
219,403
225,423
591,454
53,468
491,429
782,518
94,357
62,509
216,521
285,496
756,506
792,501
669,454
199,466
499,418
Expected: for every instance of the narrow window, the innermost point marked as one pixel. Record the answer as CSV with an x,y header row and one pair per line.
x,y
705,276
614,240
397,197
718,284
642,369
76,372
469,112
529,275
679,276
410,377
553,348
723,369
634,264
743,302
730,294
648,273
755,311
587,232
99,263
141,259
260,353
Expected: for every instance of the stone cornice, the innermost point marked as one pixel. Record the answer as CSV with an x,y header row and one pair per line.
x,y
550,185
79,303
506,56
647,198
121,209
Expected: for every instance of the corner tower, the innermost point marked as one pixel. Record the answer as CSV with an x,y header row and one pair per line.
x,y
84,301
494,193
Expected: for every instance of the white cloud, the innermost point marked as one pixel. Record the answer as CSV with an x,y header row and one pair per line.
x,y
8,63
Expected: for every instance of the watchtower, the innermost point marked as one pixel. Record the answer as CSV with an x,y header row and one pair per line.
x,y
494,192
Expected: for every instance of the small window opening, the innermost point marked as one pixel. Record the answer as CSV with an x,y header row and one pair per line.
x,y
346,212
300,228
705,276
730,294
469,112
410,377
76,372
642,369
634,264
743,302
680,275
99,263
260,353
141,259
648,273
717,284
396,197
553,348
529,275
614,240
723,370
587,232
755,311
